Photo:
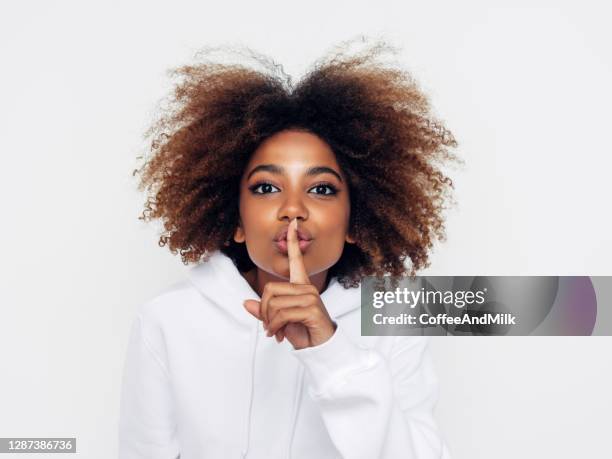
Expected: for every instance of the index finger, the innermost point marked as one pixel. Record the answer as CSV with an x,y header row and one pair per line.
x,y
297,270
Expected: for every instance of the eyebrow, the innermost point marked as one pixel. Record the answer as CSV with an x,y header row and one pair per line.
x,y
315,170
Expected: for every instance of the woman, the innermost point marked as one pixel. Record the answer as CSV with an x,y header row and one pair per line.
x,y
285,198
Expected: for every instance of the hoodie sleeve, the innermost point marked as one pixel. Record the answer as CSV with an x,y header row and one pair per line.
x,y
147,428
374,406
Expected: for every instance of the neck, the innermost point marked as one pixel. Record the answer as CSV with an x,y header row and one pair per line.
x,y
258,279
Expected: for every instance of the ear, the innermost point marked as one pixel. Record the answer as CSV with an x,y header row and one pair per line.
x,y
349,239
239,234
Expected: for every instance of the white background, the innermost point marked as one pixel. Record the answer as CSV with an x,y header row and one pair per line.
x,y
524,86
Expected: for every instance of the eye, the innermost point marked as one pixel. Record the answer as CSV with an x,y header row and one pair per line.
x,y
264,186
326,189
325,186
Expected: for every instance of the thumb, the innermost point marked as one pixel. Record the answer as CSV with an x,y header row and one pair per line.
x,y
253,306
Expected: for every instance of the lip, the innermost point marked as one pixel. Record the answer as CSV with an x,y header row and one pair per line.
x,y
281,245
303,235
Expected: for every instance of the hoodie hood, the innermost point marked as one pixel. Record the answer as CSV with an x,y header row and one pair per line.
x,y
219,280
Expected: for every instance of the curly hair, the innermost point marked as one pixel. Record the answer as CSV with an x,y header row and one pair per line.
x,y
375,119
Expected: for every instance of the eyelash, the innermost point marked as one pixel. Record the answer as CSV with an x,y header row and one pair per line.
x,y
328,185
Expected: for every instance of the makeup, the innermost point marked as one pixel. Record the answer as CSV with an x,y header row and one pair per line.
x,y
281,245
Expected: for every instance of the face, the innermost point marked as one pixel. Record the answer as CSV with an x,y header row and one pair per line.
x,y
291,175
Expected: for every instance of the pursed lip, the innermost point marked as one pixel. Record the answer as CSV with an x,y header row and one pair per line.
x,y
304,240
303,235
281,245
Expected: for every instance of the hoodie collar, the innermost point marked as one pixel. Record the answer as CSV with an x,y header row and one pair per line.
x,y
219,280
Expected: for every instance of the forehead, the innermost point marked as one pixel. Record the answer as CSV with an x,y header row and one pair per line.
x,y
293,149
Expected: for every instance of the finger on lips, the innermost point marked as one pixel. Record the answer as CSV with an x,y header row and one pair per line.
x,y
297,276
297,270
294,297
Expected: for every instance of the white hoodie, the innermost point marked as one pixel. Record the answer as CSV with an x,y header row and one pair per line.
x,y
203,381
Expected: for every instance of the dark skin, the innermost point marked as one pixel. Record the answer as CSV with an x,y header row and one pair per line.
x,y
288,194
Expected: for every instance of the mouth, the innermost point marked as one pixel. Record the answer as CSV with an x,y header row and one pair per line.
x,y
304,240
281,245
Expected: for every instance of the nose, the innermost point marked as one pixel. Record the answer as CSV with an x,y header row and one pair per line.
x,y
293,207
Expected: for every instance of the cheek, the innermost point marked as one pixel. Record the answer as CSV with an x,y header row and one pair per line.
x,y
339,216
249,211
335,223
256,218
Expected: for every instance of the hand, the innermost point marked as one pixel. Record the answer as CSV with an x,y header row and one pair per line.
x,y
293,309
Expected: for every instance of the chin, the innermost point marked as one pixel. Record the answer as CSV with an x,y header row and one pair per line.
x,y
280,267
274,265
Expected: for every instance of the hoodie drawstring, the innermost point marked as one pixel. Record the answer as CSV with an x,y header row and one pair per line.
x,y
245,450
296,407
297,401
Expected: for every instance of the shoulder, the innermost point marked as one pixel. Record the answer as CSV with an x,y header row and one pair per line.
x,y
157,317
168,302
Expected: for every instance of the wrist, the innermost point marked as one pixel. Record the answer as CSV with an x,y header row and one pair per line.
x,y
323,338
